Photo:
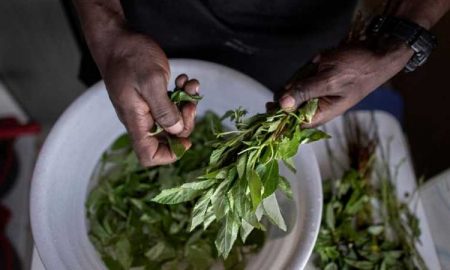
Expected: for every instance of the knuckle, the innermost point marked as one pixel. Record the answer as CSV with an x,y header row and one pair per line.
x,y
137,113
302,95
146,161
332,84
188,128
151,81
165,116
119,95
144,155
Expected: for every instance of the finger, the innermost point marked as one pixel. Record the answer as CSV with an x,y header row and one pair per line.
x,y
188,112
192,87
164,112
304,90
162,155
134,113
181,80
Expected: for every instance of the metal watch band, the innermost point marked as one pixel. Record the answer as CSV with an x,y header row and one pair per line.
x,y
421,41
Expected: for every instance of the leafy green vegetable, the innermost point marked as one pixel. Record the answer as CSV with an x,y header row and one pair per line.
x,y
130,231
244,172
364,224
178,97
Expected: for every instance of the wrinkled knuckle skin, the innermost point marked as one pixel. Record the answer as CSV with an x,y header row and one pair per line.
x,y
302,95
151,80
333,85
119,97
136,113
144,156
165,116
146,161
188,128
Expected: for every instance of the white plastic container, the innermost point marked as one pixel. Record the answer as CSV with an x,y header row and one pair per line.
x,y
75,144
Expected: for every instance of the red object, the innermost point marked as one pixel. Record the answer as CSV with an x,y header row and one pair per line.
x,y
10,128
8,258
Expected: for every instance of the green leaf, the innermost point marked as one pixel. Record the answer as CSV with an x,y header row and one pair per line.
x,y
239,193
112,264
375,229
274,125
209,217
331,266
312,135
216,156
123,252
359,264
176,195
329,216
285,187
309,109
246,229
199,185
221,207
289,163
199,210
289,146
176,146
179,96
227,236
255,185
356,203
122,142
270,178
219,200
199,255
160,252
273,212
241,164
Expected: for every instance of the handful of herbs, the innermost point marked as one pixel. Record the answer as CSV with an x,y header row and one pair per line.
x,y
237,187
364,224
130,231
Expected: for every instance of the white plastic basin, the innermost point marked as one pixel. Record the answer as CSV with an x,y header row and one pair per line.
x,y
76,142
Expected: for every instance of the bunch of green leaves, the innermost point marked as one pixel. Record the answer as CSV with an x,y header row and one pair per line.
x,y
178,97
239,183
364,224
130,231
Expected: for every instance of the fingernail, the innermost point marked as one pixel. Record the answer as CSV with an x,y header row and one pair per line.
x,y
287,102
197,89
177,128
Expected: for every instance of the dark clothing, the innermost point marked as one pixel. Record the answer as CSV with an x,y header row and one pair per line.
x,y
266,39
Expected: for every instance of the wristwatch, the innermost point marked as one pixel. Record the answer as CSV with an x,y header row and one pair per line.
x,y
421,41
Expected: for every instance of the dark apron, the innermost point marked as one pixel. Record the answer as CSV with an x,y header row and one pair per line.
x,y
266,39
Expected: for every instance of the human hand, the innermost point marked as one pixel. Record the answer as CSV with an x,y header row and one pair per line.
x,y
136,73
342,77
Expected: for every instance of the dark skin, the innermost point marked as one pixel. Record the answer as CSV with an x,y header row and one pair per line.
x,y
349,73
136,73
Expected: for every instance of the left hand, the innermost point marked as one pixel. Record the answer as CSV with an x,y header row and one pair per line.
x,y
342,77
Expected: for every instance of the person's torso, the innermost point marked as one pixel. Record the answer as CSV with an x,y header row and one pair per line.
x,y
267,39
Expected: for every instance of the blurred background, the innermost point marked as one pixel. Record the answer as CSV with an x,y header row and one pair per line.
x,y
40,55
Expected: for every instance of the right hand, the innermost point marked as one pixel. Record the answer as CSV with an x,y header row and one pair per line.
x,y
136,73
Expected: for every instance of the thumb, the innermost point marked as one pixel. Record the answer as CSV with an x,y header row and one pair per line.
x,y
163,111
300,92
